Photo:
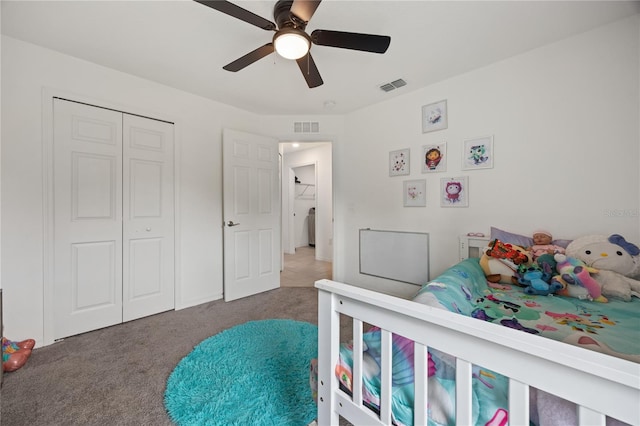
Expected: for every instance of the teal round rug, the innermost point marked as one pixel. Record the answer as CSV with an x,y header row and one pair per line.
x,y
255,373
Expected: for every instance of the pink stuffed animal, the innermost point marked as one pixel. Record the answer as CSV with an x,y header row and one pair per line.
x,y
574,271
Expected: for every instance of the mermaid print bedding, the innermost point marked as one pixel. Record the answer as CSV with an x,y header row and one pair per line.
x,y
489,389
611,328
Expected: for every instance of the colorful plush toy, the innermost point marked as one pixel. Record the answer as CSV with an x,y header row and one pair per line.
x,y
617,260
15,354
498,262
575,272
500,250
313,378
537,280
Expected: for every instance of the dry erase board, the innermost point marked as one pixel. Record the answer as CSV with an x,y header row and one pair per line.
x,y
398,256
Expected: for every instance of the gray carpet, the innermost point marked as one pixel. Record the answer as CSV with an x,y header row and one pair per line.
x,y
117,375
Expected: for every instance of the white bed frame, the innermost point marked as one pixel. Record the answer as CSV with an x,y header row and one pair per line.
x,y
600,385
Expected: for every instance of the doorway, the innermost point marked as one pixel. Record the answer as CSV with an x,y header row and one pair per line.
x,y
303,207
307,213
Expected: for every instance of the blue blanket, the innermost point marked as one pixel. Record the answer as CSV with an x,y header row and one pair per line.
x,y
612,328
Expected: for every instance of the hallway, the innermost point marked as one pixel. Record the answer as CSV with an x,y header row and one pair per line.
x,y
302,269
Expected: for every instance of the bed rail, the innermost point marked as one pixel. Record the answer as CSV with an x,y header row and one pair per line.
x,y
600,385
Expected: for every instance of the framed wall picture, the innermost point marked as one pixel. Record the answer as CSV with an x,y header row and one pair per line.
x,y
477,153
434,158
414,194
454,192
434,116
399,162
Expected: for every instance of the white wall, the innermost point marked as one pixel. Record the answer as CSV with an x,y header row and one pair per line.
x,y
26,71
564,118
322,158
566,137
0,164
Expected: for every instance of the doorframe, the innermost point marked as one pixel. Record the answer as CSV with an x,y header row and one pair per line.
x,y
318,139
291,230
48,94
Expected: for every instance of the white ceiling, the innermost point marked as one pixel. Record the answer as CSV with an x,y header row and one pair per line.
x,y
183,44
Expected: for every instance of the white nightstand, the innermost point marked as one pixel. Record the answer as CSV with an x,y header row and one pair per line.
x,y
471,246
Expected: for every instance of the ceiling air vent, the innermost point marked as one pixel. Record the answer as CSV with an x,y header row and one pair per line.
x,y
306,127
387,87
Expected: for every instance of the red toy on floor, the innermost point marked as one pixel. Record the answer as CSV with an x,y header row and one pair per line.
x,y
15,354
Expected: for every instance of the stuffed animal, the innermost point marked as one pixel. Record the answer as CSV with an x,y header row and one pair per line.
x,y
498,262
616,259
15,354
549,265
537,280
500,250
313,378
575,272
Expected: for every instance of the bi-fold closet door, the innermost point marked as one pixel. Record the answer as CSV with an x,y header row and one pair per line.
x,y
113,191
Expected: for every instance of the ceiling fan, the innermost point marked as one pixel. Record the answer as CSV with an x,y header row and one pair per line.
x,y
290,39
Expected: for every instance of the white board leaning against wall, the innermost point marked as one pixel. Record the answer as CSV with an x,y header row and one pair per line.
x,y
398,256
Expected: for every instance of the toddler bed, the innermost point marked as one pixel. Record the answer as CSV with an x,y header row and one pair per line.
x,y
430,361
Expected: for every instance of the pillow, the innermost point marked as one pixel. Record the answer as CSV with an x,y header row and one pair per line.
x,y
520,240
511,238
561,243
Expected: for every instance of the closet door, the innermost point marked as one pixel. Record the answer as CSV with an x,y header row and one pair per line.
x,y
148,233
113,218
87,282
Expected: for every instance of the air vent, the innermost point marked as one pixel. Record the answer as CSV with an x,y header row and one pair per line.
x,y
387,87
306,127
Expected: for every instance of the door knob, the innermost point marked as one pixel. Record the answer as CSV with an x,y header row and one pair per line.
x,y
232,223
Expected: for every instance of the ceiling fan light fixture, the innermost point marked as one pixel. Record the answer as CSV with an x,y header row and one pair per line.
x,y
291,43
290,39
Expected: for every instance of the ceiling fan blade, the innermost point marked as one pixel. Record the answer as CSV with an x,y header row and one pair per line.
x,y
250,58
304,9
310,71
354,41
239,13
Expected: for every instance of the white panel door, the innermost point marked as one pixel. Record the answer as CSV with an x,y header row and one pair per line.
x,y
111,266
148,219
251,213
87,280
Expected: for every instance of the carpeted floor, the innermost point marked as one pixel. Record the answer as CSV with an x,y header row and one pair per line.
x,y
117,375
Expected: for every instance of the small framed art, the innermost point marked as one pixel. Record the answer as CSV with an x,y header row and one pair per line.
x,y
434,116
454,192
399,162
477,153
434,158
415,193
